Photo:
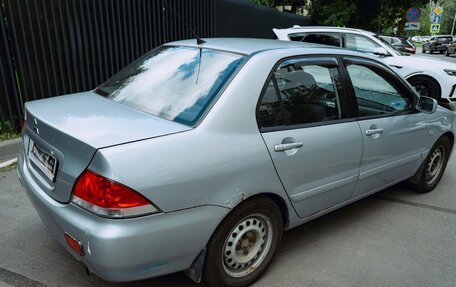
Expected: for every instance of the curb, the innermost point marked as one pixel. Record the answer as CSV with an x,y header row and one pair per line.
x,y
10,149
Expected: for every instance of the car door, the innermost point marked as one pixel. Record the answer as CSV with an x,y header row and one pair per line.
x,y
393,131
315,147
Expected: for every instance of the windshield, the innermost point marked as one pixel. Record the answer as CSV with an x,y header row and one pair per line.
x,y
172,82
397,52
444,40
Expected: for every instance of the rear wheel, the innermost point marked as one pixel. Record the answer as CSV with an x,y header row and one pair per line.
x,y
433,167
244,244
425,86
423,50
447,53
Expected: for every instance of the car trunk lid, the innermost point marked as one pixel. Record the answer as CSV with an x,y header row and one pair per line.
x,y
62,134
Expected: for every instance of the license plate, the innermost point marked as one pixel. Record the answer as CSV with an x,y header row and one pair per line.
x,y
44,161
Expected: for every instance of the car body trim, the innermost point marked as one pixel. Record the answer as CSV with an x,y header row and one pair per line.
x,y
389,166
323,188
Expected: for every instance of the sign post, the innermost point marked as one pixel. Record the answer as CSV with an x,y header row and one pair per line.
x,y
413,14
436,20
435,28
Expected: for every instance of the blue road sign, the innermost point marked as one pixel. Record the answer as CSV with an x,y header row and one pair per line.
x,y
437,19
413,14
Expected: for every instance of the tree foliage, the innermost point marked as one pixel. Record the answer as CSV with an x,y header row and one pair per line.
x,y
268,3
378,15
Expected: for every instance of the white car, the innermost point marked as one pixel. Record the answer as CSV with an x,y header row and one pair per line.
x,y
430,77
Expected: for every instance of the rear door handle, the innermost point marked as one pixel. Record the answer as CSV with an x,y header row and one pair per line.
x,y
287,146
373,132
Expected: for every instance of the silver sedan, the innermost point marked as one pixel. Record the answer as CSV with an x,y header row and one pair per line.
x,y
198,156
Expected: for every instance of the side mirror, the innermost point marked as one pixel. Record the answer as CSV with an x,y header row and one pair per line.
x,y
426,105
380,51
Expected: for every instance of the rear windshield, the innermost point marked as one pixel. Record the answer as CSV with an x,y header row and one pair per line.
x,y
172,82
444,39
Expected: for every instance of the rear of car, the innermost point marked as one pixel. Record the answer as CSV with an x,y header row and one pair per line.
x,y
115,223
399,43
437,44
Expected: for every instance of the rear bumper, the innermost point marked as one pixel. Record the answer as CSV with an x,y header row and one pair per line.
x,y
439,48
126,249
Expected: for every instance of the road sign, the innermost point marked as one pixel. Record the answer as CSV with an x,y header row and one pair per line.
x,y
409,26
413,14
438,10
435,28
437,19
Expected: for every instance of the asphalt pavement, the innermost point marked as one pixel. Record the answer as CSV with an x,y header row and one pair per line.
x,y
393,238
434,56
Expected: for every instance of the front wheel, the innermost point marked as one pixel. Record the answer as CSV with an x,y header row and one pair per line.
x,y
244,244
433,167
425,86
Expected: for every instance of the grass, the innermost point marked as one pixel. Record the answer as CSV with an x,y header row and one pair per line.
x,y
418,45
7,132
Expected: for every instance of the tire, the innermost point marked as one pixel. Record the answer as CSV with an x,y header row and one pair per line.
x,y
228,259
433,167
447,53
423,50
425,86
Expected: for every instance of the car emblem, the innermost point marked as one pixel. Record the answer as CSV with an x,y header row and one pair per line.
x,y
35,128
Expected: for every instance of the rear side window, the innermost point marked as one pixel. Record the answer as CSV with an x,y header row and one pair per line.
x,y
301,94
375,93
176,83
331,39
360,43
444,40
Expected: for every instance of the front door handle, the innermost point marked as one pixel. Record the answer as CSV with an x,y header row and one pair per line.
x,y
372,132
287,146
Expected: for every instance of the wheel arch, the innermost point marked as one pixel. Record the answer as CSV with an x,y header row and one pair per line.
x,y
414,75
450,136
280,202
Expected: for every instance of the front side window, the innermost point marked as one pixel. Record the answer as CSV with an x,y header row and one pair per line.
x,y
301,94
375,94
360,43
176,83
331,39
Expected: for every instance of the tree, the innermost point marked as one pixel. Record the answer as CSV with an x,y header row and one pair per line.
x,y
332,13
268,3
378,15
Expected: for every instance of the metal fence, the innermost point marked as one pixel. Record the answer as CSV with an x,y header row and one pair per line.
x,y
55,47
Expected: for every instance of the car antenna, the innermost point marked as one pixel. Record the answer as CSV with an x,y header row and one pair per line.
x,y
199,41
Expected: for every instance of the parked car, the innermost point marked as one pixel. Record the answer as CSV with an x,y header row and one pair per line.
x,y
425,38
416,39
197,156
399,43
432,78
451,49
437,44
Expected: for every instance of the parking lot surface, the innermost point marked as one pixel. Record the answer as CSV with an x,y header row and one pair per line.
x,y
393,238
442,57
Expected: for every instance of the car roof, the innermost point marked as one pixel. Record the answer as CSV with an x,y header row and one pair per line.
x,y
328,28
248,46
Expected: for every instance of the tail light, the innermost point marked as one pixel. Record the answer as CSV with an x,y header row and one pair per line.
x,y
108,198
